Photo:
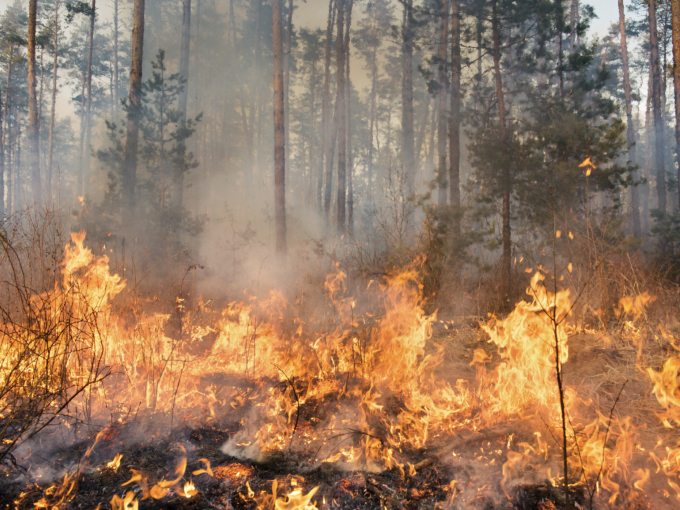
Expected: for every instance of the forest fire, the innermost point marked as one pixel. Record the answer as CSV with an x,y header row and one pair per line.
x,y
359,393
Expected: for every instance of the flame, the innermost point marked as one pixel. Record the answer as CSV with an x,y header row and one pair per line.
x,y
128,503
374,355
189,489
295,500
115,463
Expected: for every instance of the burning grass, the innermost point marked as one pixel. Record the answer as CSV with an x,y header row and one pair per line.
x,y
342,398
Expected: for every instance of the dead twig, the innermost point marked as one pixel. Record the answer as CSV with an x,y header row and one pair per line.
x,y
371,487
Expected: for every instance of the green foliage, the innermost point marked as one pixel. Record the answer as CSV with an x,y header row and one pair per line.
x,y
163,160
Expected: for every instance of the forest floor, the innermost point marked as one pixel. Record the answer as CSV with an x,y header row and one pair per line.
x,y
599,364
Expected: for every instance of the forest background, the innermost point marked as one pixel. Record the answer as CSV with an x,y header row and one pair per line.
x,y
548,134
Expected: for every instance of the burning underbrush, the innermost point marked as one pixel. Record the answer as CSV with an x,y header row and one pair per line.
x,y
339,398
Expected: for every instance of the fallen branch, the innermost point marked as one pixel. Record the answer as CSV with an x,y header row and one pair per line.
x,y
371,487
475,437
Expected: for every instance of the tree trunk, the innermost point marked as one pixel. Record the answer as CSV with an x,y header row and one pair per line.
x,y
658,114
279,131
50,150
559,25
443,89
325,108
8,117
505,177
34,145
132,140
454,119
115,57
311,195
573,20
342,133
330,154
675,23
348,103
422,129
407,99
630,131
88,117
371,121
40,94
254,92
286,79
2,168
182,101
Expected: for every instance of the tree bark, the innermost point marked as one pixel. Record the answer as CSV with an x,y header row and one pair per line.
x,y
630,130
88,115
2,167
312,135
443,90
115,57
658,114
279,131
454,119
330,154
182,101
675,23
286,79
407,99
8,117
342,133
325,108
254,94
135,95
34,141
505,171
371,121
573,20
50,150
348,102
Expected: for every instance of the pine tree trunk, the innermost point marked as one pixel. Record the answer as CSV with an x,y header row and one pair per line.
x,y
559,25
348,103
454,119
573,19
185,48
8,117
330,154
279,131
407,99
50,149
325,108
311,195
422,128
34,141
40,94
254,94
115,57
342,133
630,131
286,79
443,90
505,177
675,23
371,122
132,140
2,167
658,113
88,115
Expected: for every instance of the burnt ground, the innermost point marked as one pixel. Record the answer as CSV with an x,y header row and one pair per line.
x,y
229,487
